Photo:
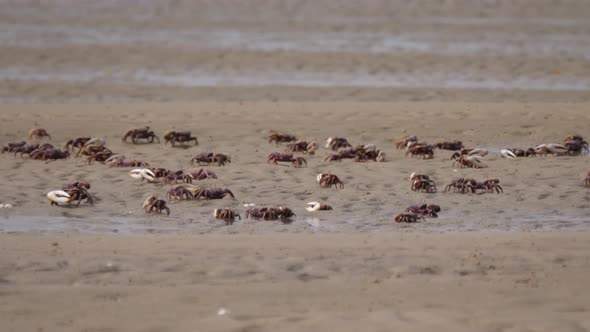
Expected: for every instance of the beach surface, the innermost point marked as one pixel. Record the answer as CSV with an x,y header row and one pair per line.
x,y
396,281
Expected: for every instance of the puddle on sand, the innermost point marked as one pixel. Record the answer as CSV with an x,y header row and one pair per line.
x,y
304,224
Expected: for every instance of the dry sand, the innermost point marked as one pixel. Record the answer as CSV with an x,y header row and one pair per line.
x,y
411,282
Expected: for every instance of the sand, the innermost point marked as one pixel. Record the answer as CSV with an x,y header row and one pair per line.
x,y
506,269
418,282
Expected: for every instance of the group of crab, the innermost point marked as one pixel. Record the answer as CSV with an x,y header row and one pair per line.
x,y
95,150
572,145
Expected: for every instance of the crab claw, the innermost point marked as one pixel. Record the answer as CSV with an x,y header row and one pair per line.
x,y
96,141
556,148
478,152
319,177
328,141
115,157
58,196
316,206
476,160
412,176
143,174
507,153
148,201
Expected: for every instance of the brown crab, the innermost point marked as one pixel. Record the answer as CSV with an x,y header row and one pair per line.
x,y
49,154
140,133
490,186
459,184
27,149
453,146
275,157
38,133
327,180
154,205
277,138
422,183
78,190
270,213
213,193
422,150
302,146
335,143
76,143
408,217
402,142
181,137
226,214
208,158
13,145
179,192
429,210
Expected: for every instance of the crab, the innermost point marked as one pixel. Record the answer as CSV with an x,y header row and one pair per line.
x,y
226,214
175,177
469,161
26,149
551,148
89,150
208,158
316,206
575,147
76,143
487,185
78,190
277,138
421,182
302,146
13,145
275,157
453,146
408,217
459,184
100,156
402,142
153,204
125,163
327,180
270,213
516,152
587,181
140,133
213,193
423,150
575,137
470,152
38,133
179,192
49,154
182,137
429,210
335,143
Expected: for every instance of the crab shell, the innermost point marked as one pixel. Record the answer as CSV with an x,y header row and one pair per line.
x,y
58,196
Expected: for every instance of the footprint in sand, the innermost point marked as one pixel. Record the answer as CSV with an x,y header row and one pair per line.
x,y
543,196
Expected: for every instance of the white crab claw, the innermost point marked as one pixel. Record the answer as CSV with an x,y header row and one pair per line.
x,y
96,141
319,177
412,176
115,157
507,153
476,160
328,141
478,152
143,173
148,201
312,206
58,196
556,148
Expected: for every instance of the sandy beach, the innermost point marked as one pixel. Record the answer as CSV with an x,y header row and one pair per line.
x,y
492,74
